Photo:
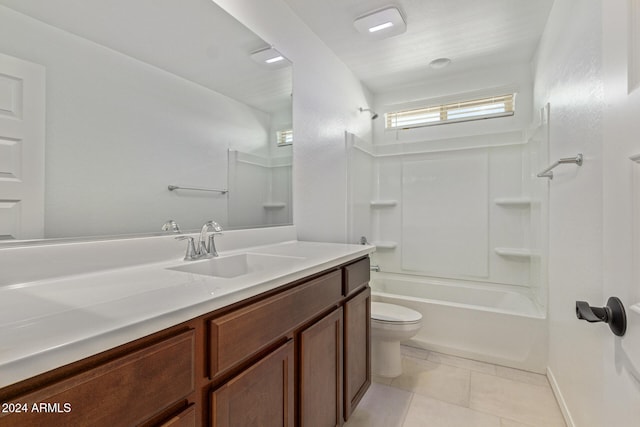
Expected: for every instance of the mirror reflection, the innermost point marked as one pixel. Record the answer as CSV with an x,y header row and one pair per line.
x,y
103,108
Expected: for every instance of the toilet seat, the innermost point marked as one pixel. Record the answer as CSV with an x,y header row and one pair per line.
x,y
393,314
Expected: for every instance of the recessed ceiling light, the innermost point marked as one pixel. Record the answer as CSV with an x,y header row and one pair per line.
x,y
381,27
381,23
269,57
436,64
274,59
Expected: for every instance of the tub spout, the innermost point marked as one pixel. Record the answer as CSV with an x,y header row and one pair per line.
x,y
374,267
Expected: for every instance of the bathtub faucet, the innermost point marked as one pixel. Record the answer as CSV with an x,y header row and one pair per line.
x,y
374,267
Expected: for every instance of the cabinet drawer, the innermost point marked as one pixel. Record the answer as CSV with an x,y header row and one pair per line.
x,y
240,334
356,275
123,392
186,418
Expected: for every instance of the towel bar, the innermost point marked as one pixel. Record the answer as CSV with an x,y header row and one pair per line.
x,y
548,173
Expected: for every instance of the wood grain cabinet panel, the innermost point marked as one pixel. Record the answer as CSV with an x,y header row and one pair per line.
x,y
260,396
186,418
357,353
356,275
321,372
124,392
240,334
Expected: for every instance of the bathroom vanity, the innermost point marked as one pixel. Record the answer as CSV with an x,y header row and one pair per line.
x,y
289,349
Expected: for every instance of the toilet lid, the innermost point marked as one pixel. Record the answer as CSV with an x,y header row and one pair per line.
x,y
384,312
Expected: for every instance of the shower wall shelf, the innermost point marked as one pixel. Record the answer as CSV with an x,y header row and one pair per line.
x,y
514,252
513,201
274,205
383,203
384,244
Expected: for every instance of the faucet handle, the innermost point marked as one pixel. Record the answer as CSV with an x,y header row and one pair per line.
x,y
191,253
171,225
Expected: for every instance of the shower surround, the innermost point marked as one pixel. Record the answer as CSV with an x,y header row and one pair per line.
x,y
459,226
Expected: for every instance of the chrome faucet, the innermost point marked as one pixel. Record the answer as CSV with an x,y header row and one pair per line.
x,y
171,225
208,249
204,249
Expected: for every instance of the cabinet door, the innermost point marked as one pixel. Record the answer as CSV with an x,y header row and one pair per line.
x,y
260,396
321,372
357,349
124,392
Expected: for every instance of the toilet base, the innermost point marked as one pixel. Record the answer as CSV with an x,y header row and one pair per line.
x,y
386,360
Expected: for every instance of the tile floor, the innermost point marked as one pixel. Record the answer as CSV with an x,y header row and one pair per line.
x,y
438,390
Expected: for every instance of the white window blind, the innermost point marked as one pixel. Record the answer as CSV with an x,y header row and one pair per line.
x,y
475,109
285,137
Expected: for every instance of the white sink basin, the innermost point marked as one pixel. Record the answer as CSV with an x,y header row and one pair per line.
x,y
237,265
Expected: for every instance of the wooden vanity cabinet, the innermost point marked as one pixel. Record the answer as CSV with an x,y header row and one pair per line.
x,y
295,356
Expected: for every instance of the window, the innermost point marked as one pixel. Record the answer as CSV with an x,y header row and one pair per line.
x,y
476,109
284,137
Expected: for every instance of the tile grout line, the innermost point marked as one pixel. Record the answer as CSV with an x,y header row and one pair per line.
x,y
469,391
406,411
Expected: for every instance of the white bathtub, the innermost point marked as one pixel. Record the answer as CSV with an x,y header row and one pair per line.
x,y
491,323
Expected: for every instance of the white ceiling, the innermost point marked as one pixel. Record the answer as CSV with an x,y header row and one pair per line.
x,y
193,39
472,33
197,40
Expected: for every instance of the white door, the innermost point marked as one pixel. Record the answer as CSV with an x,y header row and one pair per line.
x,y
22,108
621,210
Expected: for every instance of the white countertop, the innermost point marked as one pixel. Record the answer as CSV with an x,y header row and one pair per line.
x,y
46,324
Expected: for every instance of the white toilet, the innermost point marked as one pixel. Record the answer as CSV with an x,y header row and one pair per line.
x,y
390,324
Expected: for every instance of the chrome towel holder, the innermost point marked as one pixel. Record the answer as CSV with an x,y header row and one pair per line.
x,y
548,173
176,187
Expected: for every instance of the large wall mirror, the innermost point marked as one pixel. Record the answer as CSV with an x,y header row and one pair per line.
x,y
139,96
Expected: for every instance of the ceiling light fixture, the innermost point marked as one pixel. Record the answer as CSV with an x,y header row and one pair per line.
x,y
386,22
269,57
381,27
275,59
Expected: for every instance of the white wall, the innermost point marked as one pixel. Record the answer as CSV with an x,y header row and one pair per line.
x,y
326,98
119,131
568,75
